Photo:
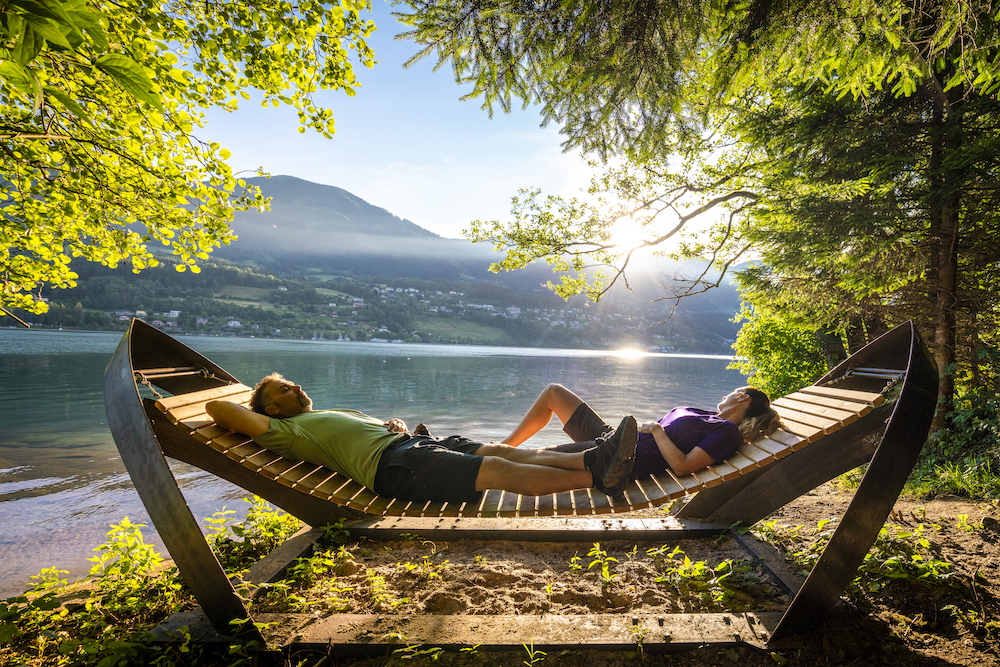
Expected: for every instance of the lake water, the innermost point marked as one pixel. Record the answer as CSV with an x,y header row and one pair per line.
x,y
62,482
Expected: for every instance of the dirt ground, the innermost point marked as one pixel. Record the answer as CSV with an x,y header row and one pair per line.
x,y
905,622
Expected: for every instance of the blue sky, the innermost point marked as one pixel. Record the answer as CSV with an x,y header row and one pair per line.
x,y
406,143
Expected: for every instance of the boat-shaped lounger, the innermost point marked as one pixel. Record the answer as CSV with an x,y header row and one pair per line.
x,y
827,428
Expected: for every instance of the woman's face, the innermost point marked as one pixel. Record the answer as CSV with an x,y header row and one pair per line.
x,y
732,399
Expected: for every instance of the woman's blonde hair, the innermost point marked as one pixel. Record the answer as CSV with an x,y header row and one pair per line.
x,y
760,420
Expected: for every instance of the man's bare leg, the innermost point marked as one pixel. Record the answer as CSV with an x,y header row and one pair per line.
x,y
535,457
524,478
554,399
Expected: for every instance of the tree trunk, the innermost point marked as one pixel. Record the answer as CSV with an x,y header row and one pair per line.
x,y
946,183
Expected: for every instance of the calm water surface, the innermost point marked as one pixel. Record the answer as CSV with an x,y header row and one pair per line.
x,y
62,482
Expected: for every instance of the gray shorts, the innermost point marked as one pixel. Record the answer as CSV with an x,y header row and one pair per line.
x,y
584,426
436,469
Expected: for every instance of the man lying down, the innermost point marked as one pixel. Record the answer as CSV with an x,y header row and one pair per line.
x,y
395,464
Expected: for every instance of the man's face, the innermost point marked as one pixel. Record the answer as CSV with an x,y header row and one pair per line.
x,y
286,399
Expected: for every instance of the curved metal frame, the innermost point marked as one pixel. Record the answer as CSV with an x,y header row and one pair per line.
x,y
746,499
162,498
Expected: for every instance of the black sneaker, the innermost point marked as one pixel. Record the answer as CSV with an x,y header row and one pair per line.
x,y
615,457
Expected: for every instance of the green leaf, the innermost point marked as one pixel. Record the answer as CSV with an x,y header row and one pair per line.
x,y
12,74
48,29
69,103
8,632
29,45
130,77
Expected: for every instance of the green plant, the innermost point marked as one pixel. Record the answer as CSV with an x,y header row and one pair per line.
x,y
534,655
378,592
574,562
426,569
602,558
238,545
336,533
639,634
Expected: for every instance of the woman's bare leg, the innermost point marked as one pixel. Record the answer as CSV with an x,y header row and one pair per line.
x,y
554,399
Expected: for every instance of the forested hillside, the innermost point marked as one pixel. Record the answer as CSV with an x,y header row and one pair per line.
x,y
233,300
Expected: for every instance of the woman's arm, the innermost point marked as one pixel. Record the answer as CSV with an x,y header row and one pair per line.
x,y
234,417
681,463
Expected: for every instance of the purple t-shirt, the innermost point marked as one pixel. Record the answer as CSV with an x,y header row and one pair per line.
x,y
687,428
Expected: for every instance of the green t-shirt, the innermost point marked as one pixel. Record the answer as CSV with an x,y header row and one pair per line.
x,y
347,441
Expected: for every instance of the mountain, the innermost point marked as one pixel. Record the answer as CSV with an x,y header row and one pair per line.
x,y
322,231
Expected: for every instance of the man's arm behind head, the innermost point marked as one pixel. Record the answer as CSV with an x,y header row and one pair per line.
x,y
234,417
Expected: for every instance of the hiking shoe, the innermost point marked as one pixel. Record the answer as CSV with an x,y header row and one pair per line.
x,y
615,457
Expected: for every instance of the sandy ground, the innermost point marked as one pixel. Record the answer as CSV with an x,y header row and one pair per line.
x,y
904,623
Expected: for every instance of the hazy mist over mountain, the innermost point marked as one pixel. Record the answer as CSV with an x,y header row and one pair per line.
x,y
323,230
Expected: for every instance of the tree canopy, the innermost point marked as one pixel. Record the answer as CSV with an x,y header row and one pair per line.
x,y
100,104
849,146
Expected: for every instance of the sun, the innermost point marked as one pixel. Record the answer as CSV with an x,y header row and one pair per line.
x,y
628,233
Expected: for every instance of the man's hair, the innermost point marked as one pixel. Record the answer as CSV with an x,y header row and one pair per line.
x,y
760,419
259,399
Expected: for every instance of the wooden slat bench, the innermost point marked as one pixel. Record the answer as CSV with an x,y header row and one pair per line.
x,y
806,415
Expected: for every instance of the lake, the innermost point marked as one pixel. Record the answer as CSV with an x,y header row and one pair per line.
x,y
62,482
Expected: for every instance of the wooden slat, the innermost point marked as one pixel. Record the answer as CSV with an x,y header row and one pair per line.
x,y
775,449
564,504
191,425
260,461
858,407
527,505
708,477
243,451
741,462
471,509
804,431
451,509
687,482
379,505
192,410
869,397
508,506
582,502
635,497
206,434
347,492
396,507
332,486
789,439
491,502
363,499
297,473
433,509
836,414
280,467
316,478
203,396
651,489
725,470
756,454
671,487
826,425
600,502
546,505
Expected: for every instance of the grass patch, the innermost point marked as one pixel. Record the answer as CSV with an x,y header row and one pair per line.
x,y
459,331
243,293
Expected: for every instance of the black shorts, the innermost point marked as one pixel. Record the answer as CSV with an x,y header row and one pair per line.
x,y
584,426
437,469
